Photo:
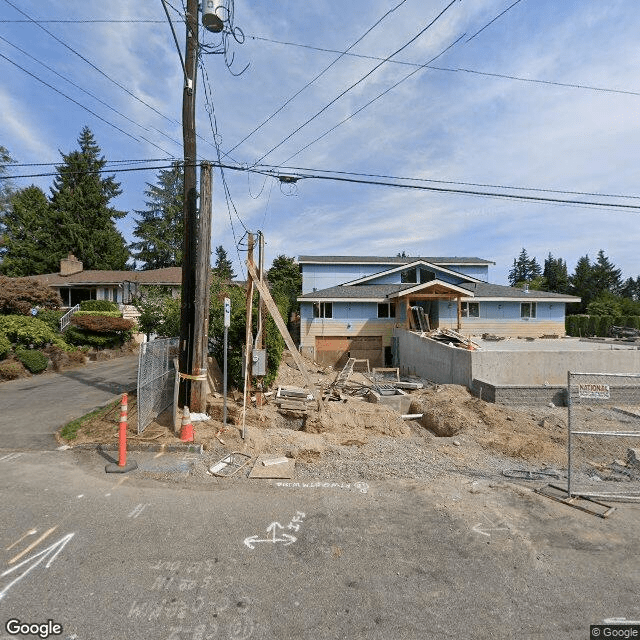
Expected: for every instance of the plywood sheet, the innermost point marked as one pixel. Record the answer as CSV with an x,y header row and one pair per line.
x,y
283,470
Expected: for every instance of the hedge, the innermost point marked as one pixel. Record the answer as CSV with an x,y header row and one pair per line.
x,y
28,330
590,326
101,323
98,305
33,360
80,337
5,347
106,314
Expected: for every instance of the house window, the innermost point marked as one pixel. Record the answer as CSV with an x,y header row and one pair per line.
x,y
408,276
527,309
470,309
323,310
426,275
387,310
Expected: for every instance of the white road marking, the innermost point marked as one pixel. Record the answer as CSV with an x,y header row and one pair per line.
x,y
33,544
138,510
29,533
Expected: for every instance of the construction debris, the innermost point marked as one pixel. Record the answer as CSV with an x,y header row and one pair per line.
x,y
293,399
230,464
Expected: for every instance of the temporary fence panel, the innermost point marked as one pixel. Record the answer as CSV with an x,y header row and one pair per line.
x,y
156,376
603,440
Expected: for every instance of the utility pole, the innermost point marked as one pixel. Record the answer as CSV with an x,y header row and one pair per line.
x,y
188,302
198,402
261,315
248,342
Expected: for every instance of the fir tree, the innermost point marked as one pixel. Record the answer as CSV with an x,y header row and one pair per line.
x,y
223,267
28,228
555,274
581,282
605,275
285,277
80,209
524,269
160,227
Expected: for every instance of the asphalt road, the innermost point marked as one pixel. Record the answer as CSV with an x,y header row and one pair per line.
x,y
126,557
32,409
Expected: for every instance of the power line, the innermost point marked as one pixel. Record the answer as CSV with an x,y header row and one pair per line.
x,y
89,93
91,64
570,85
109,21
53,164
355,84
380,95
477,33
318,76
385,183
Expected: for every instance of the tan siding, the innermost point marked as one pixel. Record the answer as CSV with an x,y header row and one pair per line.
x,y
511,328
310,330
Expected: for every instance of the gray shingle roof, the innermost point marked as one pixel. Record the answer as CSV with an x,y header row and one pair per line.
x,y
166,276
478,290
393,260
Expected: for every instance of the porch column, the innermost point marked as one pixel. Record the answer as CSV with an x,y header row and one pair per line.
x,y
407,314
459,313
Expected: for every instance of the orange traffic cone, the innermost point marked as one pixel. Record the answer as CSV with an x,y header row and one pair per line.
x,y
186,431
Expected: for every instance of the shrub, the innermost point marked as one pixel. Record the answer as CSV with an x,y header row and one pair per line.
x,y
5,347
33,360
51,317
107,314
571,325
28,330
604,323
10,370
20,295
80,337
98,305
101,323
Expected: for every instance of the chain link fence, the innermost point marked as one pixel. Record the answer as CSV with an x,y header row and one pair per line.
x,y
156,378
604,435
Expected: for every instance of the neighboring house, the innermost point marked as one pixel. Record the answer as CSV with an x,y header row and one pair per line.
x,y
350,305
75,285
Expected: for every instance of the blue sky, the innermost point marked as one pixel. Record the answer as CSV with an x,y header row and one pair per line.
x,y
440,124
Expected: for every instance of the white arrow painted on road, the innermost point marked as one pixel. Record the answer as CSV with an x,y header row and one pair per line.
x,y
485,530
39,557
272,529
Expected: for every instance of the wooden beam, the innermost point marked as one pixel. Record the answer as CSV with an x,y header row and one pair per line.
x,y
459,305
282,327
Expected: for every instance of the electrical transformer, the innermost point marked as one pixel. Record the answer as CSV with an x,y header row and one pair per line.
x,y
214,13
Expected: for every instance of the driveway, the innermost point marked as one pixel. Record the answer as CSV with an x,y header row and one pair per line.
x,y
32,409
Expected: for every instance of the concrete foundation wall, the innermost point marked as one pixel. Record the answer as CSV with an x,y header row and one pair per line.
x,y
551,367
432,360
512,394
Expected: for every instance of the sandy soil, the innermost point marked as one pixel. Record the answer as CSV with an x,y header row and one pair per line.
x,y
534,437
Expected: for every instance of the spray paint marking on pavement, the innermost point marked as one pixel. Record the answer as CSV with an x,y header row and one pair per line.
x,y
138,510
31,532
275,533
10,456
49,554
116,485
46,534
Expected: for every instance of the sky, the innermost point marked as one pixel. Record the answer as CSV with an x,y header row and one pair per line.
x,y
564,123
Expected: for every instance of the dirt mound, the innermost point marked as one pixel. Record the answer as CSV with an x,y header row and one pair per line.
x,y
450,410
357,420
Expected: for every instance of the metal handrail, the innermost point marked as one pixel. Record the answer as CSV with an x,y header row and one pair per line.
x,y
66,318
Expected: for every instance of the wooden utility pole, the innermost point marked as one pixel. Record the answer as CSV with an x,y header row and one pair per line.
x,y
198,401
260,342
248,342
188,302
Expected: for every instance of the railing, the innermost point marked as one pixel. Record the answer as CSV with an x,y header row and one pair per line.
x,y
66,318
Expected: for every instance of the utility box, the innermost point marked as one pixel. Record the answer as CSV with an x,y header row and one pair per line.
x,y
259,362
214,13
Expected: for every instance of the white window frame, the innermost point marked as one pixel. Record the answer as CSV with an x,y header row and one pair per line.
x,y
466,308
532,310
390,307
323,310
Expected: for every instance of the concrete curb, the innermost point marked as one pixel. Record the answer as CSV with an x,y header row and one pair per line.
x,y
141,446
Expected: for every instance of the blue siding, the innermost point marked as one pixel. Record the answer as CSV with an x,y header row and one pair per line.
x,y
480,272
356,311
323,276
545,311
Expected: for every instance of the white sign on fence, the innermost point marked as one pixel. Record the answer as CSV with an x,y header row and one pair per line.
x,y
595,391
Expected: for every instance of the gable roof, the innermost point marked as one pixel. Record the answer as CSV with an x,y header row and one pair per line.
x,y
479,291
169,276
409,265
392,260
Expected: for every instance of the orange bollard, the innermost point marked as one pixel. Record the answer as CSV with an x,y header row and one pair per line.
x,y
186,430
122,466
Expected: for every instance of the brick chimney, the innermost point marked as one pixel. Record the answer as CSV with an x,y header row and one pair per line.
x,y
70,265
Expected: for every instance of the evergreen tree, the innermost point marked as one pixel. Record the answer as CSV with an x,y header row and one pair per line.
x,y
555,274
605,275
28,228
80,209
581,282
6,190
631,289
223,268
524,269
285,277
160,228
